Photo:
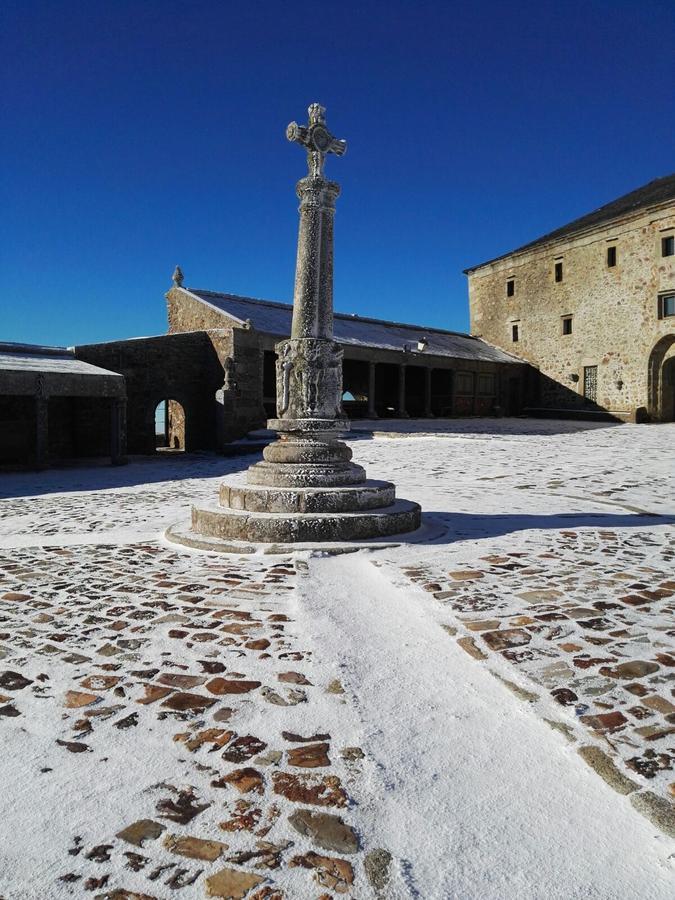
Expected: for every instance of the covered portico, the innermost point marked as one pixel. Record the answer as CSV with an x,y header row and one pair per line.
x,y
54,407
384,384
390,369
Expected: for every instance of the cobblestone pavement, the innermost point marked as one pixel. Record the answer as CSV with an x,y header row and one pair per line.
x,y
141,645
586,617
248,766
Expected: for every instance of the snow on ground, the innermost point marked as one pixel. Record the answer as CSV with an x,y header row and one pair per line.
x,y
432,699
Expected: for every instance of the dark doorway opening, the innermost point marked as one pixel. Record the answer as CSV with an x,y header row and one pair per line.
x,y
661,374
270,383
415,378
355,388
668,390
514,399
386,389
441,392
18,429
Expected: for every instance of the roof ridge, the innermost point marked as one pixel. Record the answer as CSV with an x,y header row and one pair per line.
x,y
350,317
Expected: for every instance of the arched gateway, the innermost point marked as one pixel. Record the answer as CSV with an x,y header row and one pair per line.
x,y
662,380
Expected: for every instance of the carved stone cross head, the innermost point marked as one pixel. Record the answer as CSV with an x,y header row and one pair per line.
x,y
316,139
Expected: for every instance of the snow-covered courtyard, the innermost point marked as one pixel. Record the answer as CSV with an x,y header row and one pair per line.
x,y
486,714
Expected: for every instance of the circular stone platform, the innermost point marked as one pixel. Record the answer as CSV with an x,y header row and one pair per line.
x,y
268,527
430,531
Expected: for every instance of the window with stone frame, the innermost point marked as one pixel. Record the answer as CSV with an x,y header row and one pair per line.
x,y
668,245
515,332
611,257
666,306
567,324
558,272
510,287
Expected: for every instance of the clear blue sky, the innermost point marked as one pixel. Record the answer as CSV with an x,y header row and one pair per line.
x,y
137,135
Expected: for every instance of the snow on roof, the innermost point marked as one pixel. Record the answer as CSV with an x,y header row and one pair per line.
x,y
56,360
275,318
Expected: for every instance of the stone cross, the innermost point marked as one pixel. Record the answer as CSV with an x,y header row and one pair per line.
x,y
306,488
316,139
309,364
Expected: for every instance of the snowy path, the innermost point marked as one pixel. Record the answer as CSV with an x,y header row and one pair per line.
x,y
475,795
207,700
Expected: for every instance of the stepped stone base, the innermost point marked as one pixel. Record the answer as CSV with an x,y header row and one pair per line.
x,y
300,475
275,527
430,532
260,498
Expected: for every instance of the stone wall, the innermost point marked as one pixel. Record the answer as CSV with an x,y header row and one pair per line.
x,y
614,310
240,353
179,367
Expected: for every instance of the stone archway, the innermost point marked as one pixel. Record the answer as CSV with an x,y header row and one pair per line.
x,y
169,425
661,380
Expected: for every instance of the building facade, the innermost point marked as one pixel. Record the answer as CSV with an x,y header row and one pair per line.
x,y
592,307
389,369
215,371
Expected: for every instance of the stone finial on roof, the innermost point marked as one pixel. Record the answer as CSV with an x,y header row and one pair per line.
x,y
177,276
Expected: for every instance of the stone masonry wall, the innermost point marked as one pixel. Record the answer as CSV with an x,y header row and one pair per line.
x,y
241,403
615,325
180,367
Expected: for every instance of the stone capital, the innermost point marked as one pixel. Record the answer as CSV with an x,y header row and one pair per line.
x,y
317,192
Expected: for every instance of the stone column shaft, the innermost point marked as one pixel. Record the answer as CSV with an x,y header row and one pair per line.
x,y
118,431
372,410
41,432
402,412
313,292
427,393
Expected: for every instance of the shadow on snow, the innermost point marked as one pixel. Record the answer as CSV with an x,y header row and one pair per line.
x,y
461,526
141,470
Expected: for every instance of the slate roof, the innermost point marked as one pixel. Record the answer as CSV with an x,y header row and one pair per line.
x,y
52,360
275,319
656,192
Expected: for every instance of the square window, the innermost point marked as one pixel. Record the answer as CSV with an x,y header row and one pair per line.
x,y
558,271
667,306
611,257
668,246
567,325
515,333
510,287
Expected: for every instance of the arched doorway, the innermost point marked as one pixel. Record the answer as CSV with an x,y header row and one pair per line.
x,y
169,426
662,380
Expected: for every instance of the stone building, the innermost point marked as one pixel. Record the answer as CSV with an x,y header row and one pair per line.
x,y
592,306
54,407
389,369
174,378
215,370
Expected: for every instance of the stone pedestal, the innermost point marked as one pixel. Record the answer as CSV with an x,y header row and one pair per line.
x,y
307,488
